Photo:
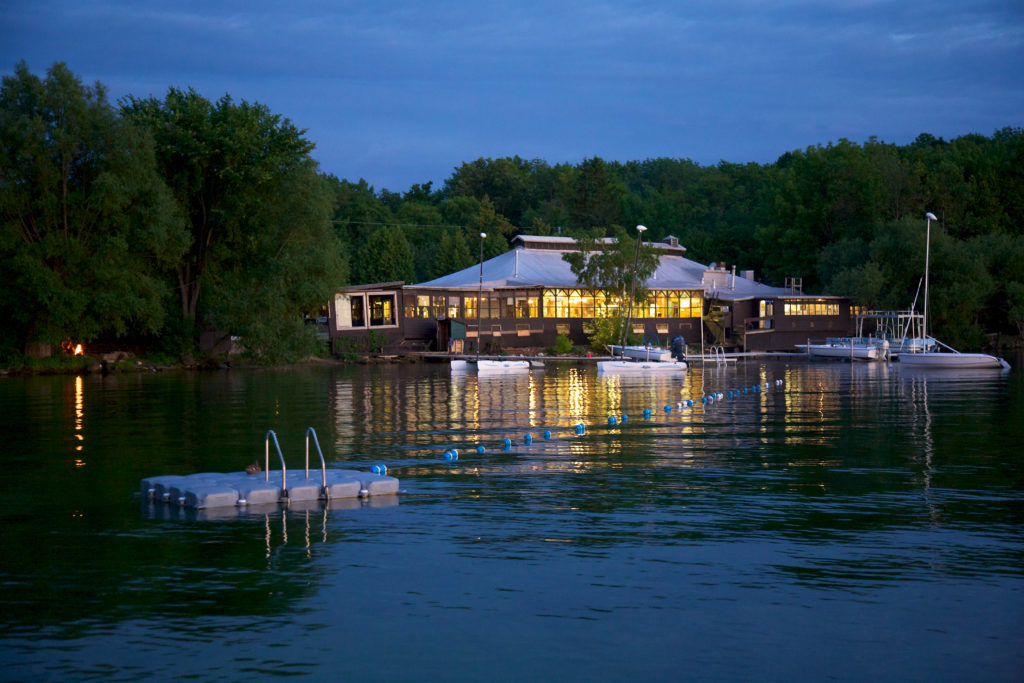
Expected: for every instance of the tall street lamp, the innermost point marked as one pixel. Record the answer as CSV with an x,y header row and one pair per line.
x,y
480,296
929,217
632,289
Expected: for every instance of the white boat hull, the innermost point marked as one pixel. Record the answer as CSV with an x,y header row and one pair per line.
x,y
935,359
844,351
627,367
645,353
491,366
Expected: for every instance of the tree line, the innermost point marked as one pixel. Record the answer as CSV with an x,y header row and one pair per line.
x,y
154,219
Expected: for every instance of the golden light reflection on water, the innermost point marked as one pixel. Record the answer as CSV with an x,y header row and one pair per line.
x,y
423,408
79,418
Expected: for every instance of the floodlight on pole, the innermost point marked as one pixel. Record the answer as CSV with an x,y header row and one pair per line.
x,y
480,296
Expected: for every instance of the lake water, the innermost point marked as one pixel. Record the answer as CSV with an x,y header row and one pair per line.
x,y
855,522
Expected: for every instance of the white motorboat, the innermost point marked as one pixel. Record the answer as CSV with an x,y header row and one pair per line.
x,y
848,349
483,366
903,329
640,367
644,353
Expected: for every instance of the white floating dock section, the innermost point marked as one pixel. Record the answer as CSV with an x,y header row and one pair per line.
x,y
218,489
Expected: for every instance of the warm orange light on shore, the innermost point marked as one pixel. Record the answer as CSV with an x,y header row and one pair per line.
x,y
72,348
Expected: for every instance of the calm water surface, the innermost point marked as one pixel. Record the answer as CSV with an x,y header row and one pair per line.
x,y
853,523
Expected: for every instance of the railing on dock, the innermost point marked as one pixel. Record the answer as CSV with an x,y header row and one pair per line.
x,y
323,465
266,464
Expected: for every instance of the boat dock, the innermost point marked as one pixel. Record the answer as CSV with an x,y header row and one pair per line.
x,y
261,486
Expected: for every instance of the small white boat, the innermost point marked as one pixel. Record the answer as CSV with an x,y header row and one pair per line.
x,y
640,367
645,353
490,366
848,349
954,359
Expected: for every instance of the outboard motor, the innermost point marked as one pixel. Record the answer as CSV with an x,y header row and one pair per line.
x,y
678,348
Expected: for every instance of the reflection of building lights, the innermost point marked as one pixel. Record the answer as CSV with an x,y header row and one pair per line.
x,y
79,463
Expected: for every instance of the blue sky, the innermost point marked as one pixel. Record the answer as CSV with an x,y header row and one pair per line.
x,y
403,92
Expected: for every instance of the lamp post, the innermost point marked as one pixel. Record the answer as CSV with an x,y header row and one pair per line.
x,y
480,296
929,217
632,289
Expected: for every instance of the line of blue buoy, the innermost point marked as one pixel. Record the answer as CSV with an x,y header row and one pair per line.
x,y
580,429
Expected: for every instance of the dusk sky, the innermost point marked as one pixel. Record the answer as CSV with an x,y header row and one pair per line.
x,y
403,92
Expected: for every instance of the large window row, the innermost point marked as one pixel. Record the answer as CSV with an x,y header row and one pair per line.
x,y
580,303
495,305
555,303
810,308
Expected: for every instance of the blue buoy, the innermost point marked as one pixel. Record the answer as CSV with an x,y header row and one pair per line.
x,y
547,434
612,421
668,408
480,449
451,454
647,413
528,439
744,390
624,417
703,399
580,429
507,443
379,469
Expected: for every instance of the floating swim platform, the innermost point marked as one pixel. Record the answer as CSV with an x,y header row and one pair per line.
x,y
230,489
205,490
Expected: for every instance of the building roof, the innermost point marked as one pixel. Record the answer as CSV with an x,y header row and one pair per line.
x,y
537,261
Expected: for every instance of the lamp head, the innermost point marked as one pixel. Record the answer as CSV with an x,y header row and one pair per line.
x,y
641,228
930,216
483,235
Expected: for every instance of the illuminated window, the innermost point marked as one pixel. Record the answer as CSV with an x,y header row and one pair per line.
x,y
382,310
819,308
356,308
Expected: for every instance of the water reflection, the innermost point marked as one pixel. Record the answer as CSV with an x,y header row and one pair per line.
x,y
847,490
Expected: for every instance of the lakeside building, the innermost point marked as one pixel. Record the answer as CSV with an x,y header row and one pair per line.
x,y
530,296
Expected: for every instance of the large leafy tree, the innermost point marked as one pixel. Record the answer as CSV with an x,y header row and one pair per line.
x,y
617,267
257,209
86,224
620,268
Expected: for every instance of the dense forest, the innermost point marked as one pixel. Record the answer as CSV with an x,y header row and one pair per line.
x,y
154,219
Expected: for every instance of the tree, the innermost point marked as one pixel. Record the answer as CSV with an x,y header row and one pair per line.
x,y
609,267
386,257
597,195
498,230
257,210
288,267
452,255
86,224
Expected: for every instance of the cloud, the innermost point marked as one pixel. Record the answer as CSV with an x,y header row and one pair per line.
x,y
447,81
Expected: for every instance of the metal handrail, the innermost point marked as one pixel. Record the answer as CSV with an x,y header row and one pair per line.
x,y
266,463
323,465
